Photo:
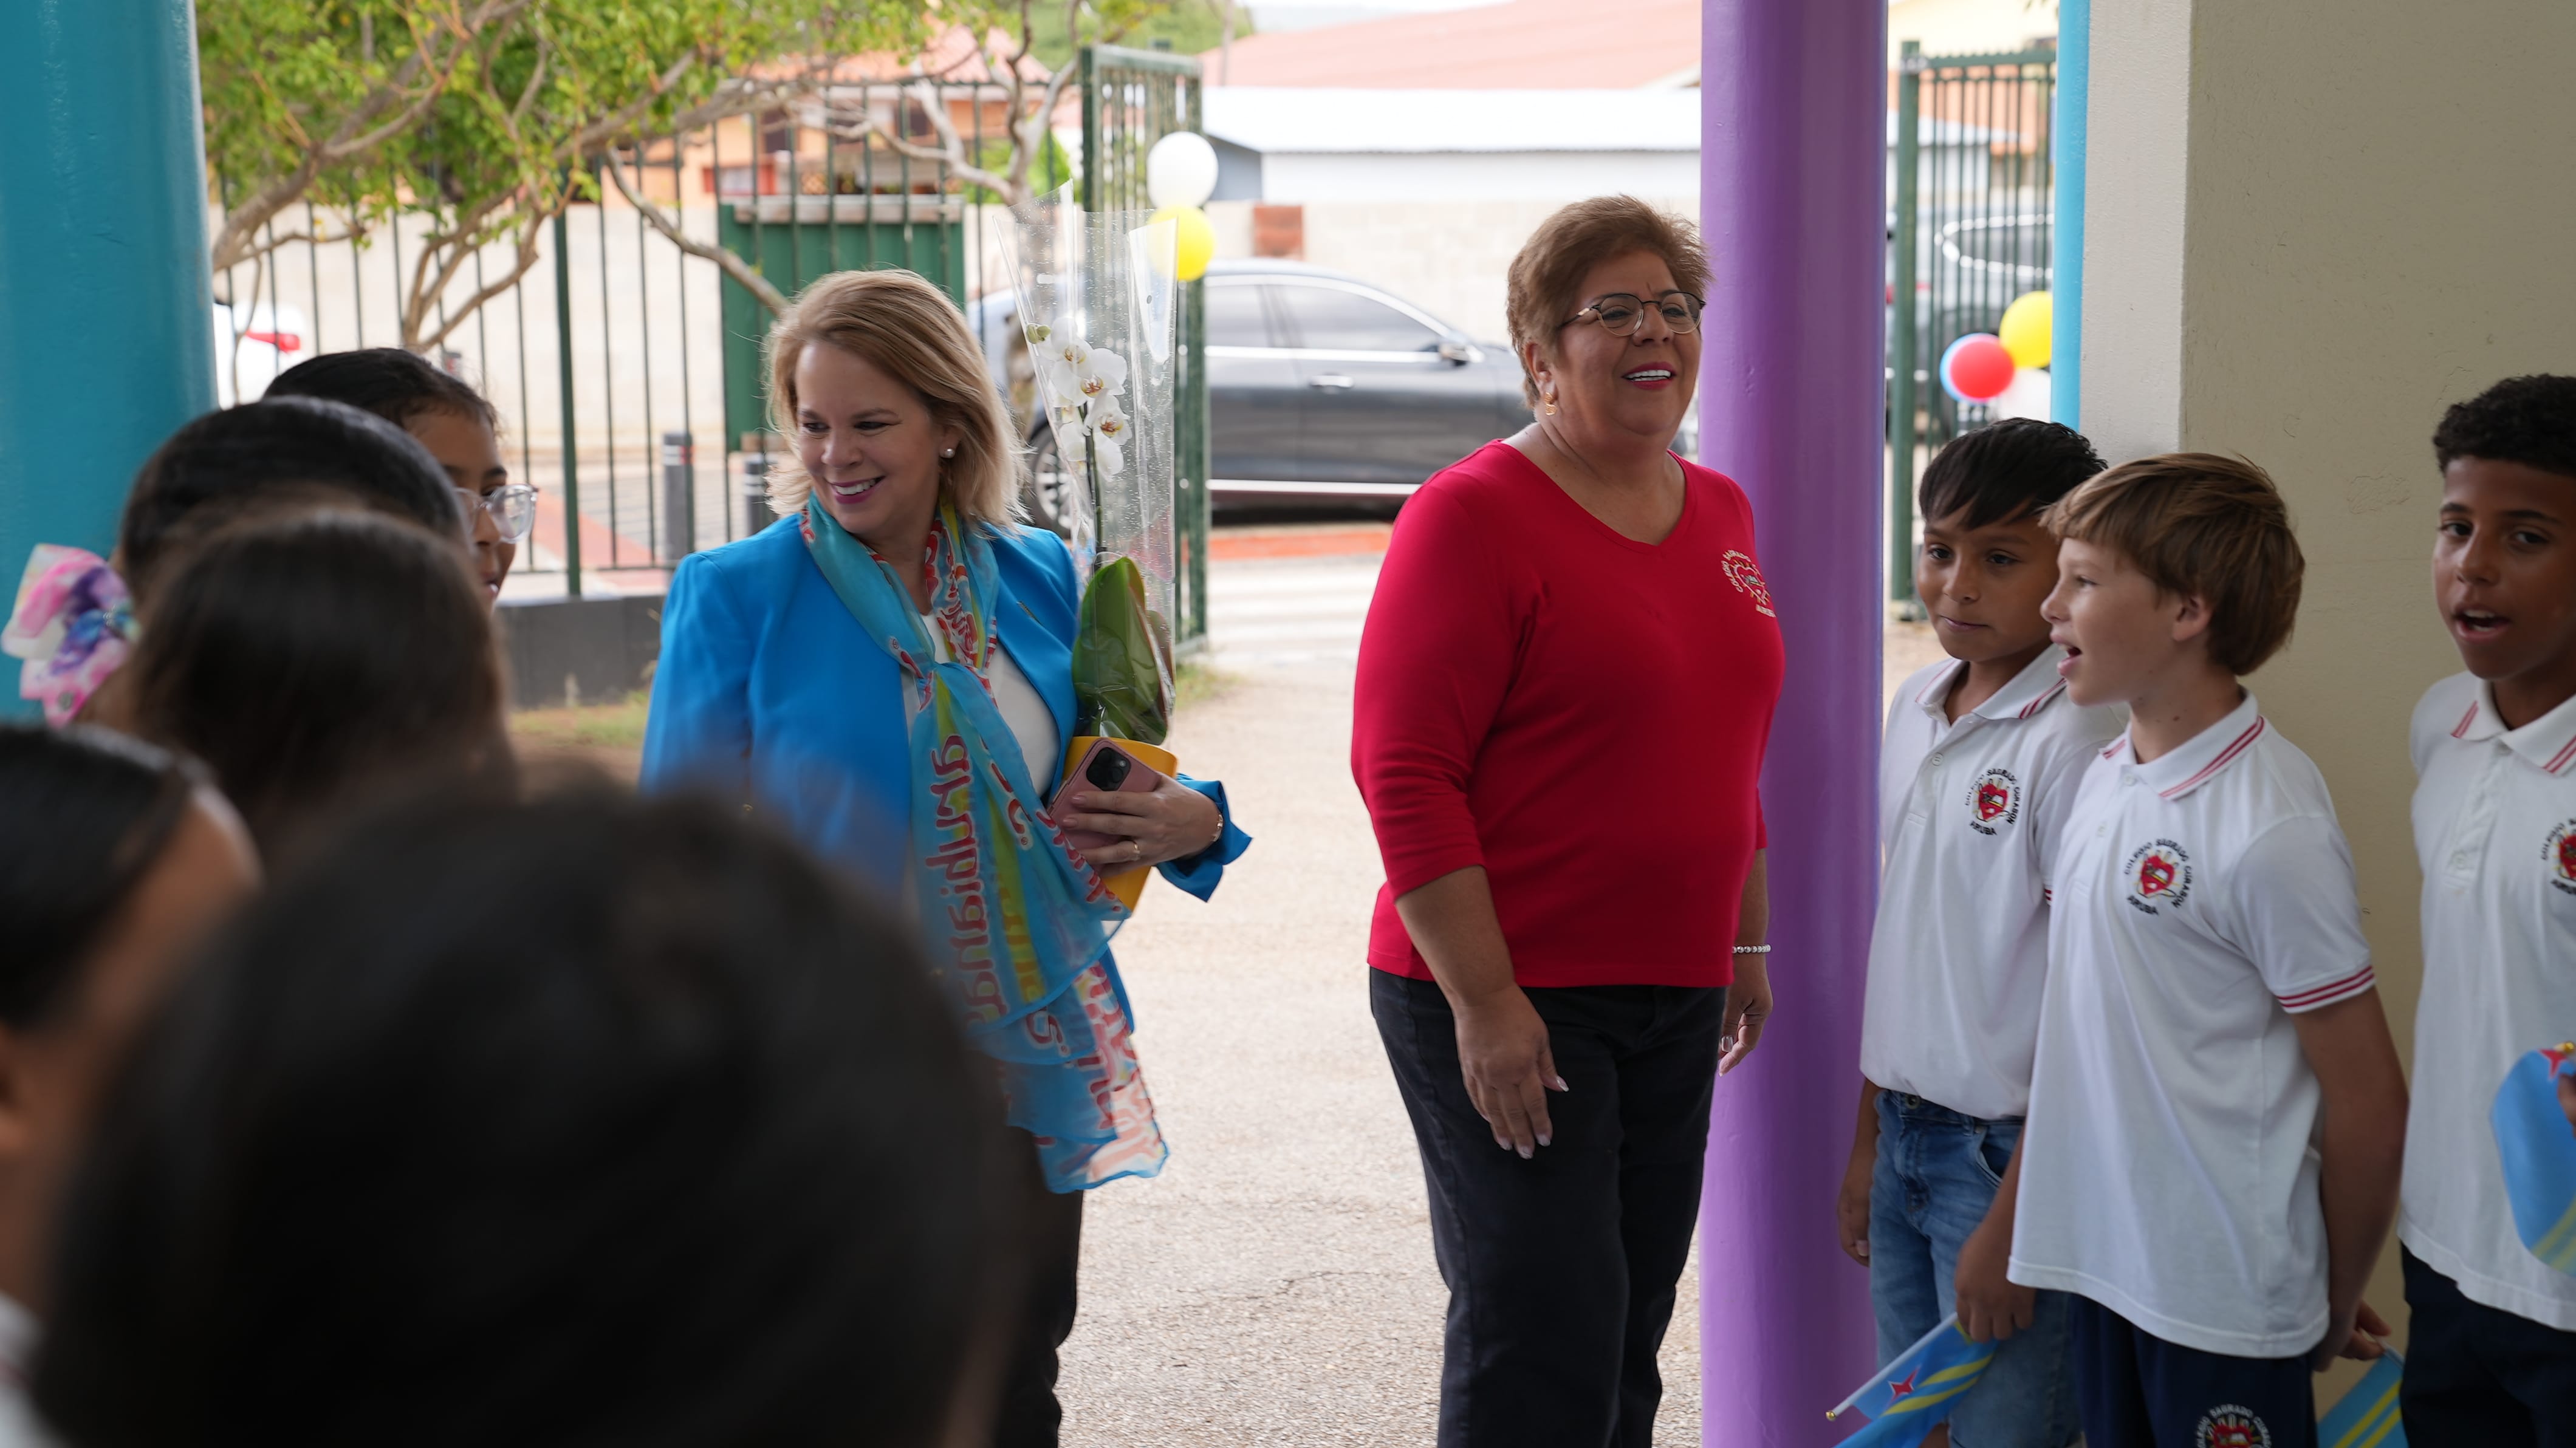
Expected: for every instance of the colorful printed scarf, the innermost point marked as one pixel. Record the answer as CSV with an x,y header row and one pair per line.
x,y
1016,917
73,624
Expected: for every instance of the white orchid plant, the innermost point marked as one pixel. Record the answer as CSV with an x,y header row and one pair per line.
x,y
1081,384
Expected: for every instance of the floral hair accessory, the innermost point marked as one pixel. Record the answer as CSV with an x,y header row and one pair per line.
x,y
73,625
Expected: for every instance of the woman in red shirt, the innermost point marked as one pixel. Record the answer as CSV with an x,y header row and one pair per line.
x,y
1564,691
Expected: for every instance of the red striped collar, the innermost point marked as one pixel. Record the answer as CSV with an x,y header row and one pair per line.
x,y
2548,742
2200,759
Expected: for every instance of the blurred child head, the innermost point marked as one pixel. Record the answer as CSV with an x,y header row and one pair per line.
x,y
115,859
2171,568
2504,563
1986,562
593,1120
451,419
273,456
317,659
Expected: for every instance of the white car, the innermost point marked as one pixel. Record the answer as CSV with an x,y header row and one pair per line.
x,y
253,345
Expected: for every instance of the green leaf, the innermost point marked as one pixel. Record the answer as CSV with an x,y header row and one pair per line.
x,y
1122,654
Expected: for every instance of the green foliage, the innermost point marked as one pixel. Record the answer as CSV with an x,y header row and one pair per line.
x,y
1191,26
1121,659
483,113
1051,169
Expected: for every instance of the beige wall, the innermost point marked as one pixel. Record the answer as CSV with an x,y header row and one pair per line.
x,y
2311,225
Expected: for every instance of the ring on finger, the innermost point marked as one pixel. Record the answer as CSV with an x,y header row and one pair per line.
x,y
1135,850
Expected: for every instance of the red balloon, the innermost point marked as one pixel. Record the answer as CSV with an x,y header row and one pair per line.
x,y
1978,368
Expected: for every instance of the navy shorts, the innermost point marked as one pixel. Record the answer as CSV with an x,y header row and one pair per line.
x,y
2136,1390
2479,1375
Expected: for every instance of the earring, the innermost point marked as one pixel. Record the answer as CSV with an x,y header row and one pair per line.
x,y
948,452
1547,400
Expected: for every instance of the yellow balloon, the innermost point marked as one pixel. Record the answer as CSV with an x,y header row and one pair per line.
x,y
1195,245
2028,329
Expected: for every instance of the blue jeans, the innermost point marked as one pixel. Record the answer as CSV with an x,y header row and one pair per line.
x,y
1937,1173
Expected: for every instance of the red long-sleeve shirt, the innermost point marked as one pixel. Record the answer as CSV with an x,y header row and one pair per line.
x,y
1582,714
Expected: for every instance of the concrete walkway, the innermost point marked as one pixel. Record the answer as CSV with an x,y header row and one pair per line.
x,y
1275,1286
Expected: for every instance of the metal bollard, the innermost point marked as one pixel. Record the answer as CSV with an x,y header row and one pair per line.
x,y
755,493
679,496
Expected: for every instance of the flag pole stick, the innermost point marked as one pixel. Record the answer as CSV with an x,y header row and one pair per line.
x,y
1947,1324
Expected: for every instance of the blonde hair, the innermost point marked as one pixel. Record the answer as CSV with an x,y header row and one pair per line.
x,y
1569,244
2199,523
908,327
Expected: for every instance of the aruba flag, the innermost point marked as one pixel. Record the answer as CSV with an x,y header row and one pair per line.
x,y
2539,1154
1913,1394
2366,1417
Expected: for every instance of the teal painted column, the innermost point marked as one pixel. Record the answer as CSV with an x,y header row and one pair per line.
x,y
2066,236
106,310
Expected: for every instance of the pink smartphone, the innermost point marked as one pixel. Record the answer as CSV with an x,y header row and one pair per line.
x,y
1110,770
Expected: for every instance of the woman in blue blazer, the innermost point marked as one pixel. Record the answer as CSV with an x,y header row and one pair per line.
x,y
889,673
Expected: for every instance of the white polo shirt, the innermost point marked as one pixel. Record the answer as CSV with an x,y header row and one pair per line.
x,y
2495,830
1969,814
2169,1170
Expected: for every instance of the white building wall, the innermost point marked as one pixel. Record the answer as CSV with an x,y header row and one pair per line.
x,y
1476,176
2311,226
1449,258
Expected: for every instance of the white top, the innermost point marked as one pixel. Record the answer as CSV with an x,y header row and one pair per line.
x,y
2169,1170
2495,829
19,1425
1023,708
1969,814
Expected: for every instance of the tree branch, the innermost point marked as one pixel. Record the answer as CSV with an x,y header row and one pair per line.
x,y
360,131
743,273
265,245
450,249
522,263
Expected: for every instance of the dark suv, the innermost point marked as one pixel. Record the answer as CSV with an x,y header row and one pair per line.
x,y
1321,388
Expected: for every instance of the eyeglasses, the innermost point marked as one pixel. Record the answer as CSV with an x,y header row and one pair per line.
x,y
1622,313
513,509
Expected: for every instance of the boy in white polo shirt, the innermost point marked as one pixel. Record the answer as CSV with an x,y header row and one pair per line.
x,y
1979,765
2492,1348
2211,1159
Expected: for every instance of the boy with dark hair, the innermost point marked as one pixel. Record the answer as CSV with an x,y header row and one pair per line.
x,y
1981,758
2493,1344
2211,1160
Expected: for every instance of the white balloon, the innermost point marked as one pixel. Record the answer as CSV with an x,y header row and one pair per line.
x,y
1181,170
2025,396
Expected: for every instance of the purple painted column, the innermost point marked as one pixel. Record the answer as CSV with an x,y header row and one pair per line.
x,y
1792,185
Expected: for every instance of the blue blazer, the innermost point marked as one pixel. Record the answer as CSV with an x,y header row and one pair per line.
x,y
769,692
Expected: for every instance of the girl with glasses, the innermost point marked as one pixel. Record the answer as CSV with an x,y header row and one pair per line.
x,y
451,419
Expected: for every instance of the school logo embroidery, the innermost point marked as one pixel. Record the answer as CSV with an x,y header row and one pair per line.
x,y
2230,1426
2159,876
1994,801
1747,578
2558,856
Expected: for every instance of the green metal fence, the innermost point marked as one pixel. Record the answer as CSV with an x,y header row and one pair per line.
x,y
1130,100
1973,184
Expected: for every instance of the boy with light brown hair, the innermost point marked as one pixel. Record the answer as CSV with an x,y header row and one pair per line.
x,y
2211,1160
